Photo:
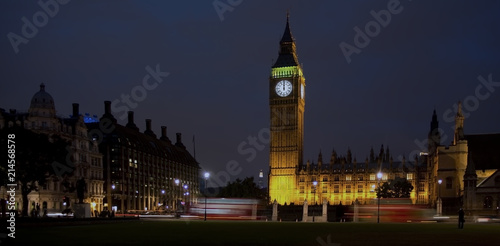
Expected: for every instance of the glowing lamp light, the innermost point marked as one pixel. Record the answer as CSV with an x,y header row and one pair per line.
x,y
185,187
177,182
379,175
440,181
113,186
162,191
315,183
207,175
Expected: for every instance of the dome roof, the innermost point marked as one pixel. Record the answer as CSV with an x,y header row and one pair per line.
x,y
42,99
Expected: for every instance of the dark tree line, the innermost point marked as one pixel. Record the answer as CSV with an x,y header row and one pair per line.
x,y
34,155
245,188
397,188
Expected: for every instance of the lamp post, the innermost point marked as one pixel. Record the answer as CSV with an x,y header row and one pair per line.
x,y
379,176
177,198
186,193
440,203
314,197
207,175
163,200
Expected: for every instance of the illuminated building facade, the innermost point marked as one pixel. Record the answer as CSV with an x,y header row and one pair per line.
x,y
140,169
342,179
468,169
84,154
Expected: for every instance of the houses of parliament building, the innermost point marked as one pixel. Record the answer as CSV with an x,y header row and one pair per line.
x,y
464,174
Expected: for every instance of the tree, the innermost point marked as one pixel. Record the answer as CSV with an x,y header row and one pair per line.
x,y
34,155
246,188
397,188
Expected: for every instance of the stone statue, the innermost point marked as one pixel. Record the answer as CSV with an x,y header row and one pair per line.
x,y
81,188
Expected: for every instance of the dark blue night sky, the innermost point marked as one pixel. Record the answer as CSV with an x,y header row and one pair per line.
x,y
428,56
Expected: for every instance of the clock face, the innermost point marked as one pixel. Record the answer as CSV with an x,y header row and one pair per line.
x,y
283,88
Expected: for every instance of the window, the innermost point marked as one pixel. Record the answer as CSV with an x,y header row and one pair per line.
x,y
336,178
360,177
421,187
348,189
409,176
325,189
325,178
449,183
348,177
360,188
336,189
384,176
302,179
488,202
301,189
372,177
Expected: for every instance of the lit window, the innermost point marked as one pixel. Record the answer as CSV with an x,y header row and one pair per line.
x,y
409,176
348,177
325,189
336,188
384,176
372,176
348,189
360,188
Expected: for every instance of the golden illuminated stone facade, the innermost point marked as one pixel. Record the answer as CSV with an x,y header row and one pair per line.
x,y
286,100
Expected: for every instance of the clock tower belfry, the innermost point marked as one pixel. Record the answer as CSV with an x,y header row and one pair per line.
x,y
286,102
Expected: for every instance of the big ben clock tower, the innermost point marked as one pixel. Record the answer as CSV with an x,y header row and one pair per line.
x,y
286,102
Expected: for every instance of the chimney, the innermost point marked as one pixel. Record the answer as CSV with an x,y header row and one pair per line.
x,y
179,140
130,123
164,134
107,107
107,112
75,110
163,131
148,129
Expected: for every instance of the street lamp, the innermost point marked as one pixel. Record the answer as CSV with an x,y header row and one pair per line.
x,y
186,193
207,175
440,203
314,197
177,199
379,176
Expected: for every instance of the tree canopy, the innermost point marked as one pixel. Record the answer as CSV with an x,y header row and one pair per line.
x,y
246,188
34,155
397,188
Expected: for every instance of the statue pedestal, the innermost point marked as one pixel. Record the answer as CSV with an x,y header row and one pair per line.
x,y
82,210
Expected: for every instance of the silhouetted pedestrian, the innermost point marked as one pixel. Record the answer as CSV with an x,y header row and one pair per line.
x,y
461,218
37,210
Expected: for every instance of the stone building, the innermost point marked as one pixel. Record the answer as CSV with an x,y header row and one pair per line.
x,y
84,154
142,171
464,173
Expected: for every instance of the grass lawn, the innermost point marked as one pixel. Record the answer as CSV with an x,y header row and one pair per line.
x,y
176,232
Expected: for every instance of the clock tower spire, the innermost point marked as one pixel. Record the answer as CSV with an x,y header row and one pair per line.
x,y
286,102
